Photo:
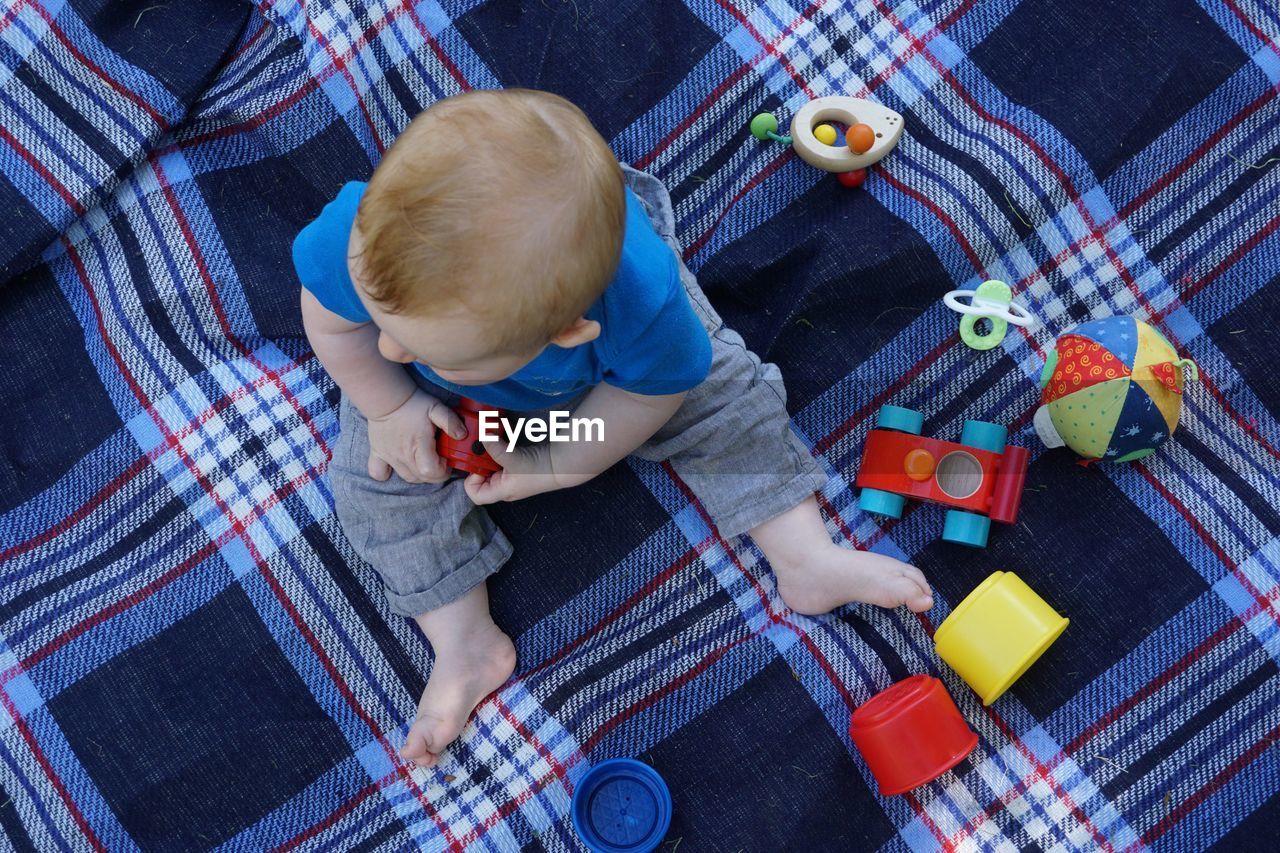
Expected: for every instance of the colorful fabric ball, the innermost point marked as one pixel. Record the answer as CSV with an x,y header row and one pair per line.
x,y
1112,389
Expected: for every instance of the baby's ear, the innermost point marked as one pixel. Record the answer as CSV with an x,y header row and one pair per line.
x,y
580,331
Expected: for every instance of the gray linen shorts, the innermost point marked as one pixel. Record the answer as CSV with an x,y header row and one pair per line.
x,y
730,442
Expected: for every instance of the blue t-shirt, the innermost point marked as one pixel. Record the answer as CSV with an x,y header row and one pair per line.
x,y
651,341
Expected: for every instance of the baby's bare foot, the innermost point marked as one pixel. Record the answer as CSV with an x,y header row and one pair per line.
x,y
468,667
815,575
829,576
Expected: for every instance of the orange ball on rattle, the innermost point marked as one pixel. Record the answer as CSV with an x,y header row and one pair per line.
x,y
860,138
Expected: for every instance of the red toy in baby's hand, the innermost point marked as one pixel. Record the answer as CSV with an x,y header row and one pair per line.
x,y
468,454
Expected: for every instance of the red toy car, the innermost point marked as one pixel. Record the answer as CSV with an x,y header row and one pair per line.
x,y
467,454
981,476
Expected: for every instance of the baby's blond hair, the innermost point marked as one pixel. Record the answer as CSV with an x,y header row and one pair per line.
x,y
505,203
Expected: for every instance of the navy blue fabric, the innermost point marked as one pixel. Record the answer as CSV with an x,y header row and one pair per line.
x,y
193,655
119,75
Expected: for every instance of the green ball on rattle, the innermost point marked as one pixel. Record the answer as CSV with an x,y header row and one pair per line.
x,y
763,124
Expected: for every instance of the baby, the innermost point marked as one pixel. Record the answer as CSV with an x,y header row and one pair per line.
x,y
501,252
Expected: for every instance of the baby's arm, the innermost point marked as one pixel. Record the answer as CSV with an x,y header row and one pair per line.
x,y
629,421
349,353
400,415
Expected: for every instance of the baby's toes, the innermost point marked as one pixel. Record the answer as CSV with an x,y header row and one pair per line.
x,y
918,576
917,595
418,743
923,598
902,589
920,602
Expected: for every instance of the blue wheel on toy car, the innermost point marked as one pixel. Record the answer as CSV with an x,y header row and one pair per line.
x,y
984,436
966,528
901,419
881,503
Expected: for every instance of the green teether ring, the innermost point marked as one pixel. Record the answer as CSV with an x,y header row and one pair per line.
x,y
982,340
992,301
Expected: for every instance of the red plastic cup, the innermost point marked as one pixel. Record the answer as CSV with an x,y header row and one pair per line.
x,y
911,733
467,454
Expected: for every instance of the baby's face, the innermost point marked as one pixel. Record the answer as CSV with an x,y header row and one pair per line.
x,y
453,346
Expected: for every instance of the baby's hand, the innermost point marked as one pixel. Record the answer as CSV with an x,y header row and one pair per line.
x,y
526,471
404,440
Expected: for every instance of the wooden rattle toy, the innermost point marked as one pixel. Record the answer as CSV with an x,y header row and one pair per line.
x,y
872,132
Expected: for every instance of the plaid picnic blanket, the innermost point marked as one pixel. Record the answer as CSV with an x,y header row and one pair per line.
x,y
194,657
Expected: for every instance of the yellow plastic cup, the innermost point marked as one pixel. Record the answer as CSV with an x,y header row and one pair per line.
x,y
996,633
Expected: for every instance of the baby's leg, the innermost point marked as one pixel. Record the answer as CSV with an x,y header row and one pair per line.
x,y
473,659
433,550
732,444
815,575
